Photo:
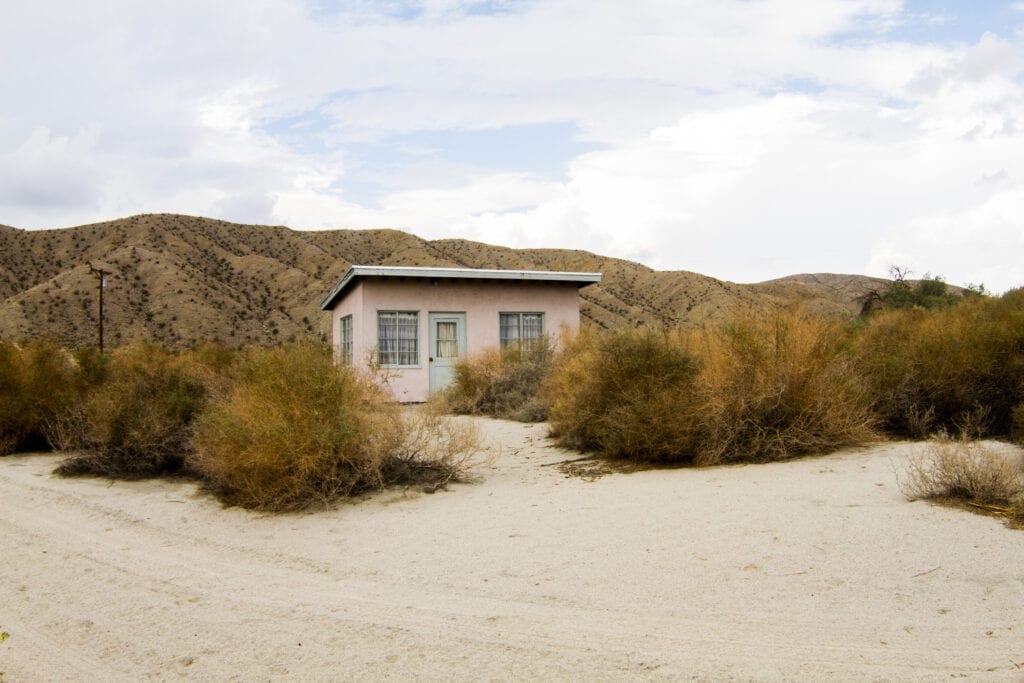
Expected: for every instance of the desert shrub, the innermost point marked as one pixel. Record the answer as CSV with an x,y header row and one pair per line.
x,y
971,471
40,385
471,378
138,422
296,430
626,393
93,364
759,389
1017,423
945,368
434,450
504,384
15,421
214,356
777,387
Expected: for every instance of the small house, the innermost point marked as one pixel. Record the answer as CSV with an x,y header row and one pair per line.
x,y
416,323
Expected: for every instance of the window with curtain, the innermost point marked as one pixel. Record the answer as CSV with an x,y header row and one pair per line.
x,y
520,330
398,337
345,347
447,340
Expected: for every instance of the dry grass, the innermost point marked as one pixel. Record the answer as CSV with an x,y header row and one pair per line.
x,y
969,471
435,450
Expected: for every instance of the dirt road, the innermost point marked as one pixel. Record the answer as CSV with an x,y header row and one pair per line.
x,y
813,569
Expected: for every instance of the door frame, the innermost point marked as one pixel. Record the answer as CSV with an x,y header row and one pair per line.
x,y
439,373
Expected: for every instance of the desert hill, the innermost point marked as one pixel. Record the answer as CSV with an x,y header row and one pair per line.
x,y
181,279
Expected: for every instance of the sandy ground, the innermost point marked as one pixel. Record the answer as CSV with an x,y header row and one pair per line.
x,y
813,569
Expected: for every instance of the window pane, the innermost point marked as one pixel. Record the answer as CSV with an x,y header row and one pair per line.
x,y
533,325
520,329
397,338
447,340
509,329
346,340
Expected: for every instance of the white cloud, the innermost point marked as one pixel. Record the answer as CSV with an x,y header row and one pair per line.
x,y
982,244
745,140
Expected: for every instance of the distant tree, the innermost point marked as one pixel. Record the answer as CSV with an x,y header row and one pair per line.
x,y
929,292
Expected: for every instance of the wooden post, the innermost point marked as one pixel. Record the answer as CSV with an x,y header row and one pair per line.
x,y
102,274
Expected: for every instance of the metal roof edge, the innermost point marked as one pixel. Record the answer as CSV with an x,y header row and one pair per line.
x,y
582,279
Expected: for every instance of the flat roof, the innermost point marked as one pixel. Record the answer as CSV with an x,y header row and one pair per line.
x,y
354,273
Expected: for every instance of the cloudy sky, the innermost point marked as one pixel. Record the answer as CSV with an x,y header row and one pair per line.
x,y
744,139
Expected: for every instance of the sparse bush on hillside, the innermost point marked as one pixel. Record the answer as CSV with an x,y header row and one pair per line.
x,y
296,430
138,423
761,389
971,471
40,385
504,384
947,368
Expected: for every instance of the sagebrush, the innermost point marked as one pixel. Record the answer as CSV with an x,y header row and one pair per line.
x,y
504,384
763,388
626,394
295,430
138,422
41,385
947,369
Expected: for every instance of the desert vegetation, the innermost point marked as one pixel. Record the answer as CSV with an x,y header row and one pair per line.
x,y
294,429
41,385
773,386
924,363
282,427
957,368
760,389
964,470
269,428
137,423
504,384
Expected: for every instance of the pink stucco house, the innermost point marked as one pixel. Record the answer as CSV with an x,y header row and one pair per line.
x,y
417,322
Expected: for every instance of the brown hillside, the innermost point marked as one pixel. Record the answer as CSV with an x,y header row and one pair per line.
x,y
181,279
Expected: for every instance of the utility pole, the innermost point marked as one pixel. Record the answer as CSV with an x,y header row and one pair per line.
x,y
102,275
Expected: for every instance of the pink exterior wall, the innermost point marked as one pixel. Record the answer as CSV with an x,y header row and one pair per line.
x,y
481,301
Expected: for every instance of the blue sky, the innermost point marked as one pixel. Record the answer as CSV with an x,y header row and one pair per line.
x,y
743,139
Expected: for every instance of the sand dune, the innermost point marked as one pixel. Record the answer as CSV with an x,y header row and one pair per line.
x,y
814,569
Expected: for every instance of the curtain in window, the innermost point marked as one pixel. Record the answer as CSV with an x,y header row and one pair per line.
x,y
533,326
509,329
447,340
397,338
520,330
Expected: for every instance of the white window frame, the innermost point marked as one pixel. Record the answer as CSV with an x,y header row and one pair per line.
x,y
520,341
345,340
391,326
